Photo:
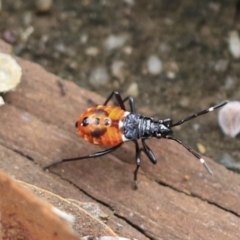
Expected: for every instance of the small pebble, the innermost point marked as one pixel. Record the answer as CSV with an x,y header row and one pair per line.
x,y
184,102
99,77
168,21
27,33
129,2
164,48
92,51
44,39
171,75
73,65
229,83
115,41
44,5
228,161
27,18
128,50
9,36
133,90
117,69
221,65
234,44
60,47
201,148
229,118
104,217
84,38
196,126
154,65
214,6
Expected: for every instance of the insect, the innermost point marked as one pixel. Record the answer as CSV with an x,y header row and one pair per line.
x,y
112,126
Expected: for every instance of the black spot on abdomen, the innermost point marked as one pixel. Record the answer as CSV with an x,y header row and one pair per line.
x,y
98,132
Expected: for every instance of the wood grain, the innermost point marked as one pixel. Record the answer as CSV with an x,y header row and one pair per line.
x,y
176,199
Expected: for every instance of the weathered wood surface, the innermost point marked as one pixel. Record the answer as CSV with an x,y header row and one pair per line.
x,y
37,127
23,216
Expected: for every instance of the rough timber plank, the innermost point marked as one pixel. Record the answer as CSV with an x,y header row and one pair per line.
x,y
23,216
21,167
38,122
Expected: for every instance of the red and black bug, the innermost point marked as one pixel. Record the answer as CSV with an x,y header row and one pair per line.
x,y
112,126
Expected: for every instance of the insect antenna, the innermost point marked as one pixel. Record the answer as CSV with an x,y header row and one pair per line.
x,y
198,114
198,156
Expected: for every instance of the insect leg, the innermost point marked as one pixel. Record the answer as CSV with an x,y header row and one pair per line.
x,y
138,162
148,152
199,113
118,98
198,156
94,155
131,103
122,101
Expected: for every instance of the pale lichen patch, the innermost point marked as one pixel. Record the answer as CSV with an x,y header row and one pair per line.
x,y
10,73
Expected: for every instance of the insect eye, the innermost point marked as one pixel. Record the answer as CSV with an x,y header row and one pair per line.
x,y
85,121
107,121
97,121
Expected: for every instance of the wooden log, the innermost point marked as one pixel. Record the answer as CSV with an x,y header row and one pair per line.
x,y
23,216
176,199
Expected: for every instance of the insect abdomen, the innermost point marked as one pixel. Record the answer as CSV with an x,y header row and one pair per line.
x,y
102,125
